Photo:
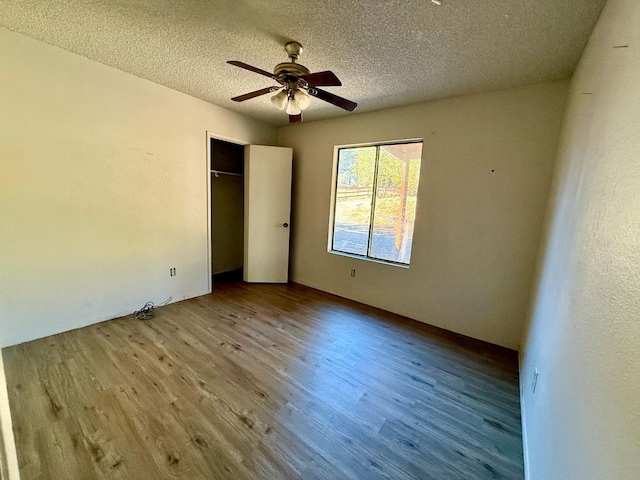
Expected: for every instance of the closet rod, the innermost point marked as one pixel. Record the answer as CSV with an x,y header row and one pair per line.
x,y
217,173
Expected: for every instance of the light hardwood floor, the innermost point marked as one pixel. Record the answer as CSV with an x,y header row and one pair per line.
x,y
264,382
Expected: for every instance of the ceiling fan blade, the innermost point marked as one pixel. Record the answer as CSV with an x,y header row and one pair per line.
x,y
295,118
257,93
334,99
322,79
251,69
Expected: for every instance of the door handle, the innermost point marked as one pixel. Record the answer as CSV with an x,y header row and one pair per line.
x,y
285,225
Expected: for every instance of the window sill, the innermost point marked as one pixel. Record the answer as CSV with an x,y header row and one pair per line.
x,y
369,259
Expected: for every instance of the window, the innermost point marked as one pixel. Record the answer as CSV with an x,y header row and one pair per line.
x,y
375,201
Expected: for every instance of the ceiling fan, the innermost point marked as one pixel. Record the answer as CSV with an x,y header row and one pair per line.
x,y
296,84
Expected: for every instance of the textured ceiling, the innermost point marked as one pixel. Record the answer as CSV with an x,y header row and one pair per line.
x,y
387,53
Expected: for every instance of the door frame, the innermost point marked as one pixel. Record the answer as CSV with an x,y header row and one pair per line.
x,y
225,138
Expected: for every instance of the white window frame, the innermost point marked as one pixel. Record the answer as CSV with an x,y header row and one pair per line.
x,y
334,190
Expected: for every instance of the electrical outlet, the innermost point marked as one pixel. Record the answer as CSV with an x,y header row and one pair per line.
x,y
353,272
172,272
534,383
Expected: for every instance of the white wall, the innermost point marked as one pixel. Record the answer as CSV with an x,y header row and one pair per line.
x,y
477,231
583,421
103,188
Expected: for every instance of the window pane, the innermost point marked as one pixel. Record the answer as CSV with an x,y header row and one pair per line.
x,y
395,205
354,192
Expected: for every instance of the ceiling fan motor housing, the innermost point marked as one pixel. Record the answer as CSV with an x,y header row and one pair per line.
x,y
291,69
289,72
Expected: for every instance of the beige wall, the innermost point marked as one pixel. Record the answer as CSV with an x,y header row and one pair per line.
x,y
583,421
103,188
477,231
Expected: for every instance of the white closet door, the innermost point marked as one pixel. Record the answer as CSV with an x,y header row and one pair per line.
x,y
267,211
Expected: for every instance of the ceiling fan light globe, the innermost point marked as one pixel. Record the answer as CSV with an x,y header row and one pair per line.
x,y
279,100
302,99
293,108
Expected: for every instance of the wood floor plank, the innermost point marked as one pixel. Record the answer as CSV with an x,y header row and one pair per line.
x,y
265,382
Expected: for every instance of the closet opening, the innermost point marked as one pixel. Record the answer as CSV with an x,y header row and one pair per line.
x,y
226,161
